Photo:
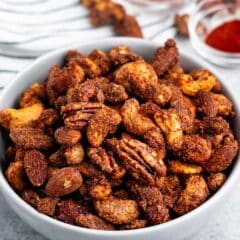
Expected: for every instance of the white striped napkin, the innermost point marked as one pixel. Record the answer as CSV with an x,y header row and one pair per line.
x,y
29,28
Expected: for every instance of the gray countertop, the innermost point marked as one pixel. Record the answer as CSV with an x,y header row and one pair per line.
x,y
223,226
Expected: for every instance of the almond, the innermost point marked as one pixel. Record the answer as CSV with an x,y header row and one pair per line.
x,y
36,167
66,181
30,138
66,136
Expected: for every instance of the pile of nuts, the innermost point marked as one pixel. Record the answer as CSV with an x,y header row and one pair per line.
x,y
113,142
103,12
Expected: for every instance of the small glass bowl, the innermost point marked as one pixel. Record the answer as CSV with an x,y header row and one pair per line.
x,y
210,14
159,5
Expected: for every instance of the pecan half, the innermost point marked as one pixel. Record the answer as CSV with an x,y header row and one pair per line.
x,y
97,89
77,115
89,90
138,158
106,162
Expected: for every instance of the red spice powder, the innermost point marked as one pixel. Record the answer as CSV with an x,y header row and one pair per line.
x,y
226,37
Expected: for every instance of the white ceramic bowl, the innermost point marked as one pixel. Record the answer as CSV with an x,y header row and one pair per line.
x,y
53,229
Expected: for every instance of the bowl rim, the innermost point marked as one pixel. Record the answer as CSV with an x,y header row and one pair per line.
x,y
10,194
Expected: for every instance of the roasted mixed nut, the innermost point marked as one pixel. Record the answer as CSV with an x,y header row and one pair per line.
x,y
114,142
103,12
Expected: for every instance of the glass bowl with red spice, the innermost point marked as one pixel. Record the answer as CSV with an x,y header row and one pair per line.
x,y
219,38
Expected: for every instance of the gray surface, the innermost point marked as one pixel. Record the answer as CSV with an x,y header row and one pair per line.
x,y
224,226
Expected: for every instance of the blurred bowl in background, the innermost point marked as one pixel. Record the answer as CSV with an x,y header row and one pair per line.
x,y
210,14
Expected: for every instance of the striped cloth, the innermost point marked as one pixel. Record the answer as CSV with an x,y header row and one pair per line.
x,y
29,28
